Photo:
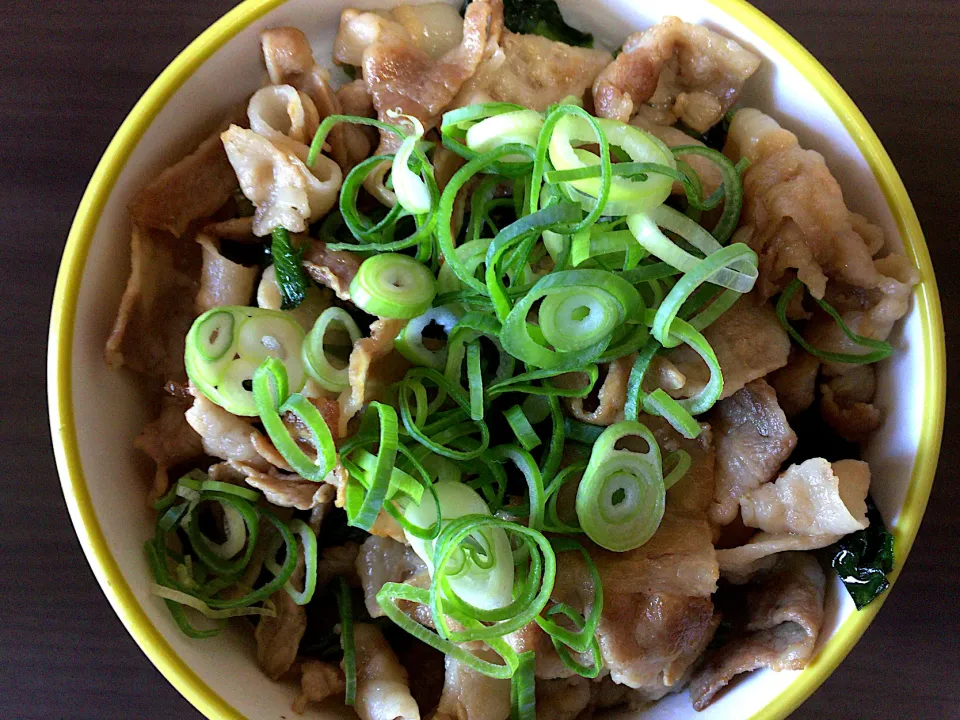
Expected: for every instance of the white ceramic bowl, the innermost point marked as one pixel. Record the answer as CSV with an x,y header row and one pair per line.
x,y
95,414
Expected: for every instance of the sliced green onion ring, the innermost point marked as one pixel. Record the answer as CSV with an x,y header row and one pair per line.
x,y
315,359
393,286
620,501
409,342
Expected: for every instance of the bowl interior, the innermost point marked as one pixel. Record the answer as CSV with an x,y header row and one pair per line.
x,y
105,478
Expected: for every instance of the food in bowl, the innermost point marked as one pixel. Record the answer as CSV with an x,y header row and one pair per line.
x,y
479,388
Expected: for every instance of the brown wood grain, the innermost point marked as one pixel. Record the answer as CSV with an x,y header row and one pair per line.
x,y
70,70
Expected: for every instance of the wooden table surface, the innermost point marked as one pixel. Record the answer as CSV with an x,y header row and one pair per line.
x,y
70,72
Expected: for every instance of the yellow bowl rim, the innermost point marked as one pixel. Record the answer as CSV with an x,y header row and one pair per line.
x,y
63,317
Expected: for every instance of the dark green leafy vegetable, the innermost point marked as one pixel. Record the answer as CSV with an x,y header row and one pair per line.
x,y
864,558
542,17
290,277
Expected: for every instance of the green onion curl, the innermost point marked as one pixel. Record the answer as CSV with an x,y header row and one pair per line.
x,y
880,349
270,394
620,501
346,642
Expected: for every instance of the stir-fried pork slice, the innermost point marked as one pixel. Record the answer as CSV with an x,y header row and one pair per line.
x,y
845,404
749,343
338,561
222,281
795,217
610,398
692,495
648,642
562,699
334,269
679,559
382,560
383,688
318,681
785,613
286,489
274,177
470,695
739,564
403,77
278,638
753,441
374,365
813,498
194,188
435,28
796,382
685,72
169,440
157,307
289,61
224,435
532,71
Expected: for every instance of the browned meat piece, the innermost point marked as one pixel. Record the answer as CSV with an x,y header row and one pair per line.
x,y
469,695
649,642
382,560
402,77
272,174
693,493
374,365
222,281
194,188
286,490
338,561
278,638
157,307
795,218
334,269
796,382
318,681
785,616
169,440
289,60
383,689
679,559
845,404
223,434
436,28
740,564
562,699
532,71
812,498
611,396
749,342
683,71
753,441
